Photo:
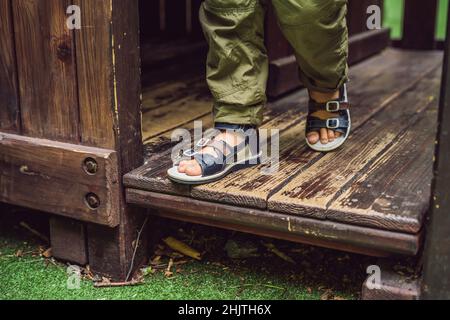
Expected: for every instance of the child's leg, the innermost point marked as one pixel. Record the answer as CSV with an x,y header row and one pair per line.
x,y
237,66
317,30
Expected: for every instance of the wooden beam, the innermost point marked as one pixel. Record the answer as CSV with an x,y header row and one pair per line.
x,y
65,179
68,240
436,278
419,28
112,250
288,227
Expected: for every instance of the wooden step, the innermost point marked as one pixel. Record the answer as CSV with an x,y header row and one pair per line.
x,y
380,180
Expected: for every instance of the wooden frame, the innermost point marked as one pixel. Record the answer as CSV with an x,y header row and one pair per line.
x,y
436,277
328,234
68,95
74,181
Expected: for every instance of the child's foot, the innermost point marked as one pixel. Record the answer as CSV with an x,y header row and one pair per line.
x,y
192,167
325,135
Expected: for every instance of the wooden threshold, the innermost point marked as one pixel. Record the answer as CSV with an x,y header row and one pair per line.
x,y
379,181
351,238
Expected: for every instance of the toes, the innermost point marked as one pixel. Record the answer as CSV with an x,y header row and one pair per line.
x,y
337,134
324,136
331,135
193,169
313,137
182,166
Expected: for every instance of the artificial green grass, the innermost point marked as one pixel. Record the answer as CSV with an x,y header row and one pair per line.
x,y
318,274
393,18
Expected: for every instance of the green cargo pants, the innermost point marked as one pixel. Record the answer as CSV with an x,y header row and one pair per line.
x,y
237,66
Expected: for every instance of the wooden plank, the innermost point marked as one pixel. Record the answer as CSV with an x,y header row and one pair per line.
x,y
56,177
419,25
299,229
368,94
284,71
394,191
46,70
312,192
282,114
68,240
9,97
189,103
95,74
116,252
436,279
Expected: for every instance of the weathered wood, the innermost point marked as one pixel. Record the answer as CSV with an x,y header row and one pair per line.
x,y
96,75
284,71
68,240
394,192
310,231
111,251
419,25
195,104
59,178
314,190
9,97
369,94
46,70
436,279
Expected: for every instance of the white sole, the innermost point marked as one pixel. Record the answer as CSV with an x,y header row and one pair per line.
x,y
183,178
331,146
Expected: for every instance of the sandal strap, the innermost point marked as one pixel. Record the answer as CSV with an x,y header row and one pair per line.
x,y
210,164
330,106
331,123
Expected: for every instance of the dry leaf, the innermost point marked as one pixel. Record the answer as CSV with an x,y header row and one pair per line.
x,y
271,247
183,248
47,253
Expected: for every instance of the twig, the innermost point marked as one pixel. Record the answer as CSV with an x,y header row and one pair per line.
x,y
35,232
135,249
117,284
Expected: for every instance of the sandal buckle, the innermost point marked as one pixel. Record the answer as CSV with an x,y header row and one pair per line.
x,y
333,123
203,142
190,153
333,106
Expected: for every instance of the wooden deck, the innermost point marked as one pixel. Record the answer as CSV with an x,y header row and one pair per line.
x,y
369,197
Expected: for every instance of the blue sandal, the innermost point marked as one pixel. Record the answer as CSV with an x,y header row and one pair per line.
x,y
340,123
228,158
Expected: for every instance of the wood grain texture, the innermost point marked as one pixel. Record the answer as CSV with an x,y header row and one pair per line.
x,y
50,176
9,95
394,192
369,94
111,251
95,74
46,70
299,229
313,191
